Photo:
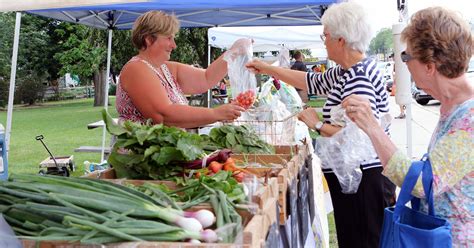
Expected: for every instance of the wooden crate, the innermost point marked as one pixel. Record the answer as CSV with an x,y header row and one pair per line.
x,y
285,173
256,227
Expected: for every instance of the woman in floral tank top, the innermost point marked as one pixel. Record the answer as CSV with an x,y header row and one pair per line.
x,y
439,47
152,87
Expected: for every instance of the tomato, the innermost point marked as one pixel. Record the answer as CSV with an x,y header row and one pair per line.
x,y
246,99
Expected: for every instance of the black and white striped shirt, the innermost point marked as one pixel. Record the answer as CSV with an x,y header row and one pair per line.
x,y
362,79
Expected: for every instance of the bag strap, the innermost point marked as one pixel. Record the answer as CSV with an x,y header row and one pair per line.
x,y
409,183
427,181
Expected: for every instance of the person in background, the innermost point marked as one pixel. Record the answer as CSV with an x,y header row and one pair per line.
x,y
439,46
346,35
300,66
223,87
152,87
403,107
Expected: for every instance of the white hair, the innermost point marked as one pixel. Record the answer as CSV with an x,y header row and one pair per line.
x,y
349,20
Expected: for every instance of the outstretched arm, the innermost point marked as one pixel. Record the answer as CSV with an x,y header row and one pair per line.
x,y
293,77
151,99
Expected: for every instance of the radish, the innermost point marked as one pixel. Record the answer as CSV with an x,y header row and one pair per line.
x,y
205,217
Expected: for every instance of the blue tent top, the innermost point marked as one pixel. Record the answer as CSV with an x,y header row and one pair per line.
x,y
202,13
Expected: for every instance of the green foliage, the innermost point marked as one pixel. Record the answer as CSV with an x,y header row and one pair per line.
x,y
145,151
82,49
382,43
192,47
3,92
7,26
31,88
241,139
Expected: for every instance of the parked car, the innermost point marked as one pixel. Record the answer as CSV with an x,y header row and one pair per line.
x,y
423,98
420,96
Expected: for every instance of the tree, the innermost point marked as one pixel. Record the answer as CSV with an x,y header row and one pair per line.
x,y
30,88
192,47
382,43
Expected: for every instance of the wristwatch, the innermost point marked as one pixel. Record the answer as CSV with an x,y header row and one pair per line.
x,y
319,125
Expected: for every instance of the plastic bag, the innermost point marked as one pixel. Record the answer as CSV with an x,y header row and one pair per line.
x,y
283,58
242,81
290,97
344,152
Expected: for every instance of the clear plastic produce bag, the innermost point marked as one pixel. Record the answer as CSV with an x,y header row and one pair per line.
x,y
242,81
344,152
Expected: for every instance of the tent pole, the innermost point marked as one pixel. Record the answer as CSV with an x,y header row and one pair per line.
x,y
208,63
11,93
106,93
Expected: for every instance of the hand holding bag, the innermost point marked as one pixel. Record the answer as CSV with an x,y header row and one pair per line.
x,y
408,227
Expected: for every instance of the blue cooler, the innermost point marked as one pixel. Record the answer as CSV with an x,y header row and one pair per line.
x,y
3,157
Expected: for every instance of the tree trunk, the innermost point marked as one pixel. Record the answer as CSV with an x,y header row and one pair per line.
x,y
99,87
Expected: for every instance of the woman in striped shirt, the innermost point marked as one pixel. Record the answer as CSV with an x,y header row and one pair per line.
x,y
346,35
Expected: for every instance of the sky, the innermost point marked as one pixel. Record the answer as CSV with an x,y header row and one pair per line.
x,y
384,13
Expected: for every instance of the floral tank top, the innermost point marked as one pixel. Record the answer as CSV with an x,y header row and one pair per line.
x,y
124,105
451,153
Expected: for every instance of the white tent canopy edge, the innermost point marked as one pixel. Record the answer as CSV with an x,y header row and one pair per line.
x,y
271,38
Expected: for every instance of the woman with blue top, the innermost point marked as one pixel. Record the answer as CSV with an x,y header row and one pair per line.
x,y
439,47
347,34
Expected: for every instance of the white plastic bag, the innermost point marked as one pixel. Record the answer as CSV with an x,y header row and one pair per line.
x,y
344,152
242,81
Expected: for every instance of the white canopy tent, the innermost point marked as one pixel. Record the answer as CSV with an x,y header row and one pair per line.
x,y
271,38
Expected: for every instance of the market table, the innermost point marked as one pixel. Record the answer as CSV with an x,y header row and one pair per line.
x,y
90,126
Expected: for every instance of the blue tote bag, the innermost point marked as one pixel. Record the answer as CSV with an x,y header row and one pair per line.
x,y
408,227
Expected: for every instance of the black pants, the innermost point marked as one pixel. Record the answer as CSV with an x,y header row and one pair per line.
x,y
359,217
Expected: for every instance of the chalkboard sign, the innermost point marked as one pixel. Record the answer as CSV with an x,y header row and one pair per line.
x,y
293,196
312,208
274,238
303,217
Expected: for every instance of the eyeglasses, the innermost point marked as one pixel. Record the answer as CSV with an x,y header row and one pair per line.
x,y
323,36
405,57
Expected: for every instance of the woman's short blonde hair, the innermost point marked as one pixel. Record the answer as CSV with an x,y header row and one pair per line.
x,y
151,24
442,37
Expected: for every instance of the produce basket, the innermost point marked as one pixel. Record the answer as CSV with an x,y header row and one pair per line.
x,y
270,128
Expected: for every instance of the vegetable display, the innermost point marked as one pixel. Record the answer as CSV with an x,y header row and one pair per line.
x,y
94,211
221,190
144,151
241,139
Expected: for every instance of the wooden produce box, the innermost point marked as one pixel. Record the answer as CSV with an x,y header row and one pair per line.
x,y
280,166
256,227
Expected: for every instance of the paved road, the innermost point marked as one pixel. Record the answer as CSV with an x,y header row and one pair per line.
x,y
424,120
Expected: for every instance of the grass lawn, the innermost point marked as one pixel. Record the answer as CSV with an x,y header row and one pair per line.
x,y
64,127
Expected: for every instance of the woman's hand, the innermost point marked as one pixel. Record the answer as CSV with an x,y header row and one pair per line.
x,y
258,66
228,112
358,109
310,117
